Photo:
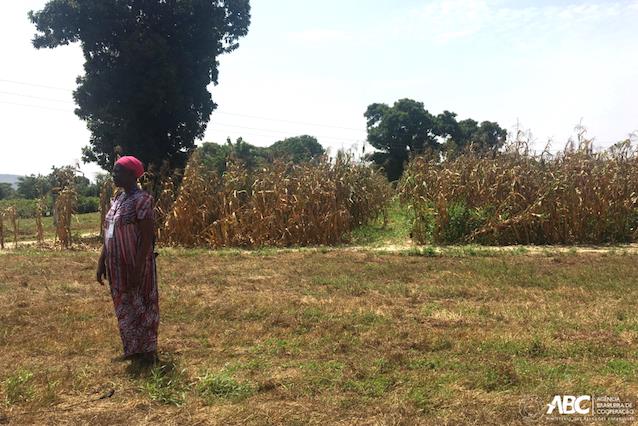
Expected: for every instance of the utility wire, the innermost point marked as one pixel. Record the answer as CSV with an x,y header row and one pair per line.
x,y
212,127
222,129
36,97
34,85
287,121
275,131
35,106
214,112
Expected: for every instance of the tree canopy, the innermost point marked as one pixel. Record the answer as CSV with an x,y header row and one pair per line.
x,y
398,130
295,149
6,191
407,128
33,186
36,186
146,72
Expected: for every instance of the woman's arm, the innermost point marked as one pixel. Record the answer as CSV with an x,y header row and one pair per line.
x,y
101,266
147,230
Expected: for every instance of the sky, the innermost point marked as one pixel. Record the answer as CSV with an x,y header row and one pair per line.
x,y
310,67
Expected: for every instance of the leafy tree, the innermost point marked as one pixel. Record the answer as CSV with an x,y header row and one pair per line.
x,y
215,156
446,125
407,128
85,187
6,191
297,149
489,136
250,155
33,186
397,132
147,67
100,179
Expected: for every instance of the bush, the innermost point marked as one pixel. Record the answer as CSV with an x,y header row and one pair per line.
x,y
87,205
25,208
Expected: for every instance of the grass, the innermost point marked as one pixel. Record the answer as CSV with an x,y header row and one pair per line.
x,y
377,234
165,384
312,337
220,386
18,387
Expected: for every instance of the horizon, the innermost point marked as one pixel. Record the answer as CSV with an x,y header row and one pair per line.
x,y
304,70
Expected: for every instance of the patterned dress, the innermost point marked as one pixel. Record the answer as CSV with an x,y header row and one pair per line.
x,y
137,311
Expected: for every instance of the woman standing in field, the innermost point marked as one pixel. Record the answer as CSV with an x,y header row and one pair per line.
x,y
128,261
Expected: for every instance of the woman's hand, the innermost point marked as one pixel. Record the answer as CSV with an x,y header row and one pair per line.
x,y
100,274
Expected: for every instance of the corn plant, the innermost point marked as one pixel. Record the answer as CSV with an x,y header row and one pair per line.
x,y
280,204
39,209
12,216
516,197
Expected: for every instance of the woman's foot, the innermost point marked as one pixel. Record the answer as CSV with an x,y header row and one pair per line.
x,y
123,358
148,358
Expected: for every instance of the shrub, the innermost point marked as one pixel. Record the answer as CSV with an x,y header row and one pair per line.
x,y
87,205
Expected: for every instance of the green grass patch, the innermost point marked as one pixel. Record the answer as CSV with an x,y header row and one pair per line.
x,y
19,387
222,385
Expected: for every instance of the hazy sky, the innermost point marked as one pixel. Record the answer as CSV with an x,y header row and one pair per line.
x,y
313,67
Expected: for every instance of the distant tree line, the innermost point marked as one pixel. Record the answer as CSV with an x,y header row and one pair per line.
x,y
32,187
37,186
295,149
407,128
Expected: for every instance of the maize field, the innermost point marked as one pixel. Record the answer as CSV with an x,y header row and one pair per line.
x,y
576,196
282,204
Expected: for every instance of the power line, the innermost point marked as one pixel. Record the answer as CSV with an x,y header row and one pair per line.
x,y
275,131
215,112
35,97
250,134
287,121
35,106
213,126
35,85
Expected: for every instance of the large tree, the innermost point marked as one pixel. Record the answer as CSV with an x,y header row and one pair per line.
x,y
296,149
33,186
397,132
407,128
488,136
147,67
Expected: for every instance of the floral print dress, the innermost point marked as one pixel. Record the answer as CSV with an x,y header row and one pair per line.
x,y
137,311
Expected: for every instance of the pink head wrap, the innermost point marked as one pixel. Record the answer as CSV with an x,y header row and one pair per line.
x,y
132,164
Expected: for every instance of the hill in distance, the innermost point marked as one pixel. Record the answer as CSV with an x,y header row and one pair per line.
x,y
12,179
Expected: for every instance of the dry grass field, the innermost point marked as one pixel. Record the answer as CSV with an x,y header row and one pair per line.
x,y
321,337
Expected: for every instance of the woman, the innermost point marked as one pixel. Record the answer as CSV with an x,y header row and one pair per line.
x,y
128,261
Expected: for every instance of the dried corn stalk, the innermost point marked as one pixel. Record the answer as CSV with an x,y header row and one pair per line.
x,y
65,207
12,215
575,196
1,230
282,204
39,210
